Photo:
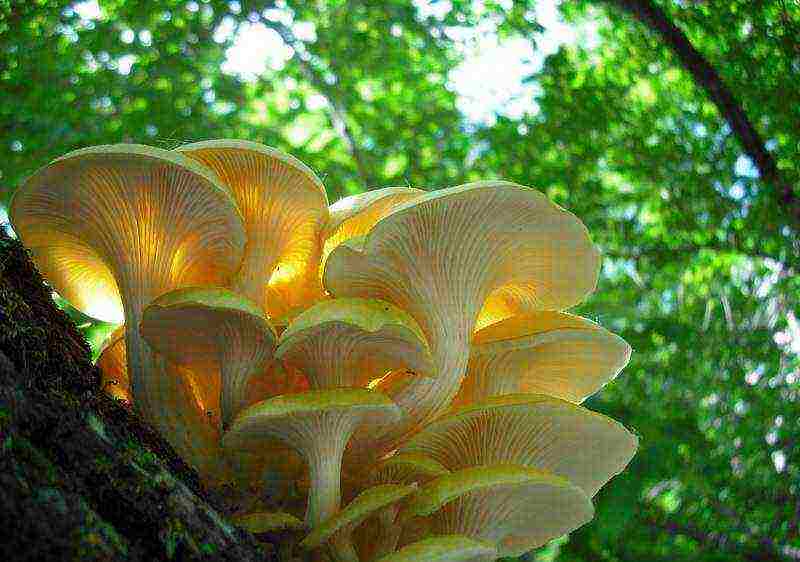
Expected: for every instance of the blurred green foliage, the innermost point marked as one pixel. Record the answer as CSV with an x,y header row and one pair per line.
x,y
700,274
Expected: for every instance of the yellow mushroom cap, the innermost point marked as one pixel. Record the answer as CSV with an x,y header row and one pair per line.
x,y
151,219
355,215
513,507
542,352
536,431
285,207
350,342
318,425
266,522
213,331
367,503
407,468
440,256
445,548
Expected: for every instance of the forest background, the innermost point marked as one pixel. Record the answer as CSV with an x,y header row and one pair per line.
x,y
585,100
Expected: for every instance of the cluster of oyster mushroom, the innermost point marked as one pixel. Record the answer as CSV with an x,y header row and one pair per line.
x,y
396,364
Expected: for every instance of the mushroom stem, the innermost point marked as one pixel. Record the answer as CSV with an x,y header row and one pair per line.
x,y
324,465
238,361
342,549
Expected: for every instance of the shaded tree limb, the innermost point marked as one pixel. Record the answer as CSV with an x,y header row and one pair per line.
x,y
648,13
338,110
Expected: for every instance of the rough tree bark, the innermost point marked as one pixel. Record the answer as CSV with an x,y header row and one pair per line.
x,y
81,477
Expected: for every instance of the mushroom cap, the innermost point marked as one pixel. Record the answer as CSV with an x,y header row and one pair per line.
x,y
444,548
544,352
524,240
363,506
113,365
274,379
215,332
285,206
537,431
89,212
440,256
184,325
351,341
407,468
514,507
357,214
274,418
507,301
268,522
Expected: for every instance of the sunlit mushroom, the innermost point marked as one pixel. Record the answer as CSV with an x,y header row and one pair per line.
x,y
536,431
512,507
542,352
444,548
350,342
440,256
318,424
215,332
150,219
355,215
336,530
285,207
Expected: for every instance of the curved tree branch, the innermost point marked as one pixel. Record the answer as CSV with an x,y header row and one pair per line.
x,y
647,12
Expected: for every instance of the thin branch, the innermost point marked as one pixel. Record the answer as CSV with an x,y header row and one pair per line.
x,y
647,12
338,109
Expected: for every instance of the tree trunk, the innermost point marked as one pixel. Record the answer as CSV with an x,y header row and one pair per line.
x,y
81,476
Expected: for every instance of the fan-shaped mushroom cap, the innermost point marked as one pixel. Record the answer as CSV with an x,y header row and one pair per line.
x,y
265,522
536,431
440,256
445,548
318,425
355,215
151,219
113,365
336,530
215,332
542,352
407,468
513,507
285,207
350,342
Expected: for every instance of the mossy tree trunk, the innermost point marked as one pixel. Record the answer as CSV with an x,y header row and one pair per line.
x,y
81,476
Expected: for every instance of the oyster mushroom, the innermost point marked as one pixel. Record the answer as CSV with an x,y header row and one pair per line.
x,y
536,431
215,332
318,424
550,353
355,215
511,507
150,219
285,207
444,548
336,530
350,342
440,256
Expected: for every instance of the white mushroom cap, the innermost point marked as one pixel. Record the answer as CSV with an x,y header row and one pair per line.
x,y
318,425
445,548
512,507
